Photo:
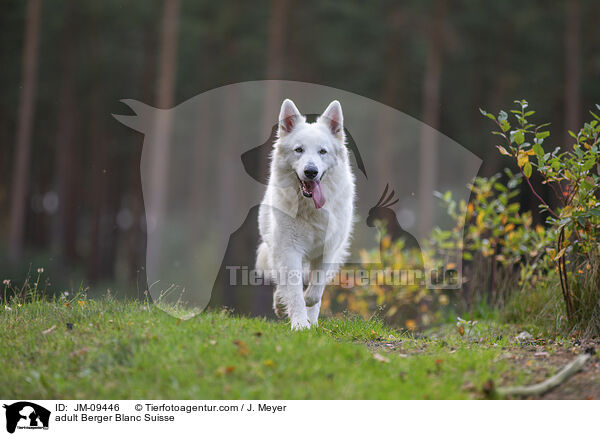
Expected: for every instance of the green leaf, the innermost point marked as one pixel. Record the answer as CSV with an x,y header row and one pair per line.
x,y
487,114
586,186
539,151
523,103
542,135
519,137
527,170
500,187
589,164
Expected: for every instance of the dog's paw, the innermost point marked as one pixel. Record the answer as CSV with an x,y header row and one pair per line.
x,y
279,310
310,300
279,306
313,315
300,324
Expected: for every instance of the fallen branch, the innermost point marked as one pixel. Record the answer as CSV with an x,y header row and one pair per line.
x,y
561,376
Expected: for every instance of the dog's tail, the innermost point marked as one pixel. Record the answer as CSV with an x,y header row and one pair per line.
x,y
262,258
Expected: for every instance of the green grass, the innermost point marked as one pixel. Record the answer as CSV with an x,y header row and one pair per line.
x,y
122,350
539,309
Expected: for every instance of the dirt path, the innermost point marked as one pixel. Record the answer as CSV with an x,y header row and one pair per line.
x,y
585,385
537,359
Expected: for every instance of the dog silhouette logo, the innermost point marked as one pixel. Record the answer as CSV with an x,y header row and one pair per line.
x,y
26,415
205,162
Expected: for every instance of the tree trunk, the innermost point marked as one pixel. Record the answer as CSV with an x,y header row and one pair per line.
x,y
22,156
390,94
275,58
103,234
572,69
493,163
136,242
168,55
428,158
67,165
276,38
99,187
165,92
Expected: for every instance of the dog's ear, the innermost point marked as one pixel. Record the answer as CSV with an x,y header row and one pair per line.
x,y
334,119
289,117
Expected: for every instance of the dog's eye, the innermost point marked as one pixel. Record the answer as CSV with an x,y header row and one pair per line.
x,y
298,149
322,151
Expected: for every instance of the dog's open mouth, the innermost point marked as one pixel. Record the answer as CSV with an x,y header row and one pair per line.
x,y
312,189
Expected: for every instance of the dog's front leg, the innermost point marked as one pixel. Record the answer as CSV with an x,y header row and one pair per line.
x,y
316,284
314,290
289,289
313,314
323,269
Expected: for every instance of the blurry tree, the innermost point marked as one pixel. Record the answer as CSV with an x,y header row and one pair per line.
x,y
428,164
276,38
165,92
390,90
136,243
20,179
102,237
67,174
572,68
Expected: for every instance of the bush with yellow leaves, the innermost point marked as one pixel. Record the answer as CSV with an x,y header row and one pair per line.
x,y
504,253
391,287
573,216
501,248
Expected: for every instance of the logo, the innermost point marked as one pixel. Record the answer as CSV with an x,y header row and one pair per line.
x,y
26,415
205,165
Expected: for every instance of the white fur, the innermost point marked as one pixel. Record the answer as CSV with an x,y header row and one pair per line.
x,y
299,240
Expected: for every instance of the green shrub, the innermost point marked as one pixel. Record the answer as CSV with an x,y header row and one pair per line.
x,y
574,220
501,249
402,302
508,263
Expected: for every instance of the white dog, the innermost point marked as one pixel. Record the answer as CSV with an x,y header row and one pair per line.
x,y
305,218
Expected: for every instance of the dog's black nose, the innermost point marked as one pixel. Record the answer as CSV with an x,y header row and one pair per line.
x,y
311,171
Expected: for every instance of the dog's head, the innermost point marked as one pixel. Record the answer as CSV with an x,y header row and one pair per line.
x,y
309,149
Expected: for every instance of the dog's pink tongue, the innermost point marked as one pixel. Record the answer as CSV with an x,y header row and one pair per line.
x,y
317,194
